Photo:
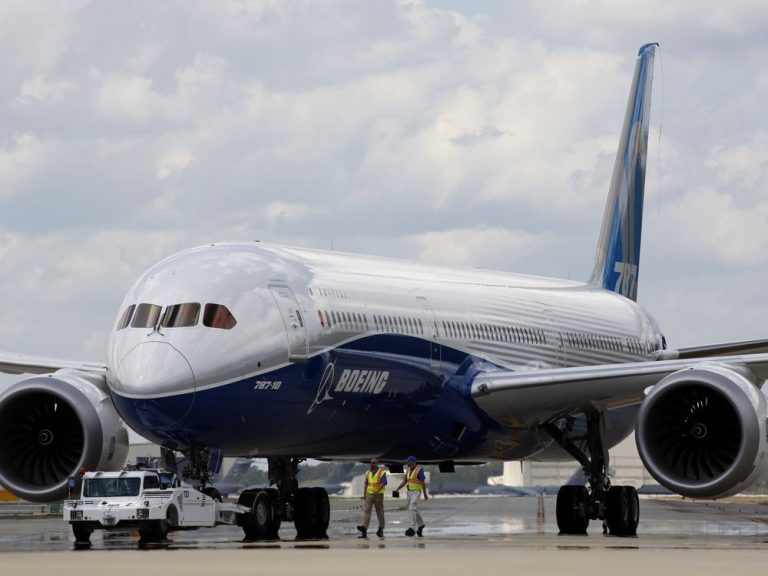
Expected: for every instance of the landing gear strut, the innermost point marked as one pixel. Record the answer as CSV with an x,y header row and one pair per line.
x,y
307,508
197,469
617,506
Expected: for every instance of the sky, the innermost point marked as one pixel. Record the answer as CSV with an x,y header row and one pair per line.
x,y
462,133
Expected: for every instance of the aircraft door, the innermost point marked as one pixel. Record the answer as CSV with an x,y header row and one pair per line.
x,y
295,328
430,326
555,336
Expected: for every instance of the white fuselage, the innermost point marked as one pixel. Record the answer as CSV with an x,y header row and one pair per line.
x,y
295,306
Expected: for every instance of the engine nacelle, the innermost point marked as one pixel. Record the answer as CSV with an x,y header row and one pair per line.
x,y
701,432
50,427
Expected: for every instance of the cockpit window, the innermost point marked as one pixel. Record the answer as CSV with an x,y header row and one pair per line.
x,y
181,315
126,317
218,316
146,316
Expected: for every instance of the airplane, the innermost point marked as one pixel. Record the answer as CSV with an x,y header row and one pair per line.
x,y
257,350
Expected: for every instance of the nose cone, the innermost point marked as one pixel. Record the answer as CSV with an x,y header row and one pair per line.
x,y
158,382
151,369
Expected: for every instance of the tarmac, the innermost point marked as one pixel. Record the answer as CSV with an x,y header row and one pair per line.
x,y
483,535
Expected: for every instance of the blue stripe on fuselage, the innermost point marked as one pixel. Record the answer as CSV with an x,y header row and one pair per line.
x,y
298,411
379,394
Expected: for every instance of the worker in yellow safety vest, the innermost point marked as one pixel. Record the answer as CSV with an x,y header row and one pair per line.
x,y
373,494
416,482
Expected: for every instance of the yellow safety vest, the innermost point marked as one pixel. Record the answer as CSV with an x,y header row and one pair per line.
x,y
375,486
412,476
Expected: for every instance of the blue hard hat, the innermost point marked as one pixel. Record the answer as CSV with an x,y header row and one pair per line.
x,y
411,459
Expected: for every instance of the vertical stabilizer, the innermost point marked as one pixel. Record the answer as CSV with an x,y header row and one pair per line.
x,y
618,250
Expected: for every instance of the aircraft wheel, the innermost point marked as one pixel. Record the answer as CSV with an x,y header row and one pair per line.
x,y
277,514
634,503
306,513
572,509
323,512
623,510
258,523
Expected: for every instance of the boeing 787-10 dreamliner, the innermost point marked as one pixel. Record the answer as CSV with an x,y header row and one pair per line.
x,y
256,350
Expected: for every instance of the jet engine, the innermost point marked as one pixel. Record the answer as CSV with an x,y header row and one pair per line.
x,y
701,432
53,425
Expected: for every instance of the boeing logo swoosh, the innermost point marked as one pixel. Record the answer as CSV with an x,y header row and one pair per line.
x,y
324,389
350,381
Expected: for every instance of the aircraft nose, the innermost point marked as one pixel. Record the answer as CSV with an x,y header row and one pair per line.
x,y
154,386
152,369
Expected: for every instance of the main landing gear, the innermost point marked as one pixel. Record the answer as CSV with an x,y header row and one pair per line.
x,y
617,506
308,508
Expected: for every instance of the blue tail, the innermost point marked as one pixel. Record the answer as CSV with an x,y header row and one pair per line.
x,y
617,260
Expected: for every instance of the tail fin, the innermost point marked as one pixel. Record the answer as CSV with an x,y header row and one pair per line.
x,y
618,251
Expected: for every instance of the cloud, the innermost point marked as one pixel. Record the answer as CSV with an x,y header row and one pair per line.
x,y
743,165
483,134
42,89
126,96
17,162
173,161
66,287
470,246
282,212
710,223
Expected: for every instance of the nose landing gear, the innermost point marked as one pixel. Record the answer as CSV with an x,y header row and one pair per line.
x,y
307,508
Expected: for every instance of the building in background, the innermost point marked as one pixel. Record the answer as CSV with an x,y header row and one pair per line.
x,y
624,461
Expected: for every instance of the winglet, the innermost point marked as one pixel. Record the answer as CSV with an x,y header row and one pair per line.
x,y
618,250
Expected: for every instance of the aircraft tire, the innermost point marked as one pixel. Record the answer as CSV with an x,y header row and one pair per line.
x,y
277,515
572,509
246,499
323,512
306,513
257,524
623,510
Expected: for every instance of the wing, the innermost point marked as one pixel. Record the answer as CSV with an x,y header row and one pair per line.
x,y
530,398
21,364
728,349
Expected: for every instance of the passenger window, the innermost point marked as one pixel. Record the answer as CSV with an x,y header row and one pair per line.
x,y
126,317
146,316
181,315
219,316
